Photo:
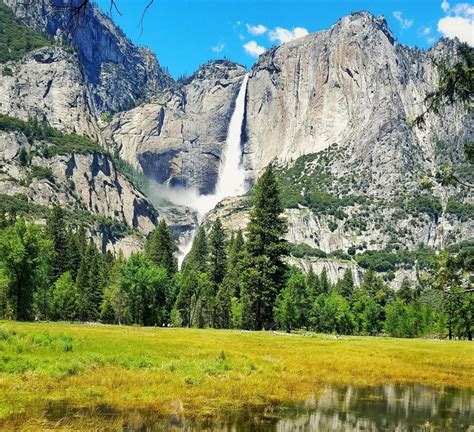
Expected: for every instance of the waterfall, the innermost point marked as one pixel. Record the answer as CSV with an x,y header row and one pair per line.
x,y
231,180
231,176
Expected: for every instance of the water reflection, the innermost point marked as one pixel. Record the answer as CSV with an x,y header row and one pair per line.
x,y
386,408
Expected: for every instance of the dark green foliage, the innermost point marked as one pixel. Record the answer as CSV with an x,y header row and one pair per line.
x,y
331,314
453,281
463,211
6,71
313,286
90,285
199,255
189,309
367,314
407,320
25,256
264,271
291,307
303,250
384,261
345,286
406,293
56,141
64,299
455,82
17,39
23,157
217,254
147,289
228,307
423,203
18,205
56,229
161,248
41,173
219,296
324,285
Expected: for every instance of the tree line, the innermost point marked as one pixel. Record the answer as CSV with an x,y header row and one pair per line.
x,y
54,272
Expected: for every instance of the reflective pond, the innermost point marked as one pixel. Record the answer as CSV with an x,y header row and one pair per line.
x,y
386,408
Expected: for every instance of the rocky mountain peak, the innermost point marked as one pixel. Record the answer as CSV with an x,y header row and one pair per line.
x,y
215,70
362,25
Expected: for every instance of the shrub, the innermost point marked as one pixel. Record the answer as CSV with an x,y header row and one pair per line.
x,y
302,250
6,71
41,173
463,211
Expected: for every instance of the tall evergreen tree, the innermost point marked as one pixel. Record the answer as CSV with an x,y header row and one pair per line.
x,y
199,254
405,292
56,229
73,253
264,269
217,254
345,285
216,272
161,248
312,285
228,295
324,284
90,284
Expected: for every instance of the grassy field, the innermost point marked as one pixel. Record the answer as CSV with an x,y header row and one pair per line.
x,y
200,373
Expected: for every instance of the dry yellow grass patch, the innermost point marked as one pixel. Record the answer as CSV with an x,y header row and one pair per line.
x,y
202,372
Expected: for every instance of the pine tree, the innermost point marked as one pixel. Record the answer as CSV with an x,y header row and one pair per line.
x,y
216,271
264,271
405,293
90,284
161,249
345,286
199,254
217,254
312,285
229,291
96,283
324,284
56,229
73,253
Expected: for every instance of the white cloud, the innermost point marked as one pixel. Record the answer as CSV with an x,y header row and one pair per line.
x,y
218,48
459,27
405,23
253,49
283,35
256,30
425,31
459,22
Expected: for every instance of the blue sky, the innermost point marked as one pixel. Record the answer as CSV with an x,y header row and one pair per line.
x,y
186,33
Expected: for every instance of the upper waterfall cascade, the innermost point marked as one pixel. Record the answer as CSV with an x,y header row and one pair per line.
x,y
231,177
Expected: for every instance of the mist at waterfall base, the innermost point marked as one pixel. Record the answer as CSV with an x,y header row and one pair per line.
x,y
230,180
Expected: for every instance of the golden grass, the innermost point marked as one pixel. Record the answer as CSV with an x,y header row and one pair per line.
x,y
202,372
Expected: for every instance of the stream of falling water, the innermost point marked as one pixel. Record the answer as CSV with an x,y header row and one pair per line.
x,y
231,176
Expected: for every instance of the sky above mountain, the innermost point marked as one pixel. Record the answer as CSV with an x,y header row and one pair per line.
x,y
186,33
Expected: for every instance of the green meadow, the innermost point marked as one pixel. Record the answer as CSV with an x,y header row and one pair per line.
x,y
200,373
